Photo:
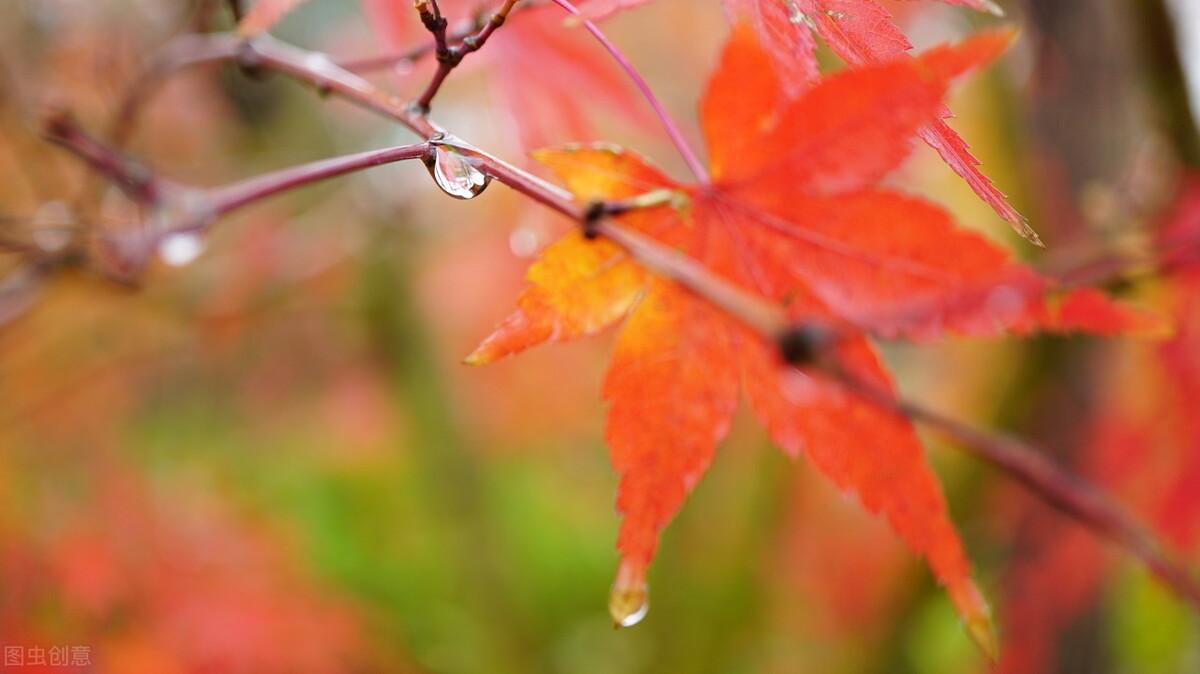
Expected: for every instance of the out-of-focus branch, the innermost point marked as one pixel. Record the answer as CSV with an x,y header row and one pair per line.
x,y
266,53
133,178
205,205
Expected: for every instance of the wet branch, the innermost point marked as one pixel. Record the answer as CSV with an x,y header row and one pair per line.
x,y
205,205
240,194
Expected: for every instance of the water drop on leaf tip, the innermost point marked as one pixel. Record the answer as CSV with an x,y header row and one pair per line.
x,y
628,602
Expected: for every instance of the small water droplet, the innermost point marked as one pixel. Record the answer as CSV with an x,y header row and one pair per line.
x,y
795,16
523,241
181,248
456,174
52,225
629,602
403,68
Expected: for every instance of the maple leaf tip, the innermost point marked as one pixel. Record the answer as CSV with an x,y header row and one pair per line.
x,y
1021,226
476,358
1030,235
976,615
983,632
627,603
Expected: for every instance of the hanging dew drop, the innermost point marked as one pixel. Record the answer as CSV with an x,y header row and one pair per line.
x,y
631,615
180,249
628,602
455,174
52,225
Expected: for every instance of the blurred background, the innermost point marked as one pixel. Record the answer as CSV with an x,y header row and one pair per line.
x,y
261,454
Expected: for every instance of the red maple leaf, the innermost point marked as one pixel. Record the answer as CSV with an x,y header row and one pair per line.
x,y
859,32
793,215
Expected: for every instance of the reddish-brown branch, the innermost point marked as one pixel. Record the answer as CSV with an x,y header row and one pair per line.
x,y
266,53
1069,493
450,56
762,317
133,178
232,197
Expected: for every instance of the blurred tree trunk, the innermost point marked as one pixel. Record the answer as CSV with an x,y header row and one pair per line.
x,y
1107,93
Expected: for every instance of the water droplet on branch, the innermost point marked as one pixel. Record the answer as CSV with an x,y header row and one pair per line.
x,y
179,223
628,602
455,172
181,248
52,224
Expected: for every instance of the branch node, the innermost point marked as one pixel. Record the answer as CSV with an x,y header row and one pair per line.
x,y
593,213
804,344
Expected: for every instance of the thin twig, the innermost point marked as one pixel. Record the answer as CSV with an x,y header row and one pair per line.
x,y
141,184
458,33
689,155
762,317
413,54
449,57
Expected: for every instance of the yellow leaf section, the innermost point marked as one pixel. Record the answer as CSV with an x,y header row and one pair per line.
x,y
603,171
577,288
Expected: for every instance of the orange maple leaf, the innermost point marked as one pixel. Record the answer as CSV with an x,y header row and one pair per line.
x,y
861,32
793,215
